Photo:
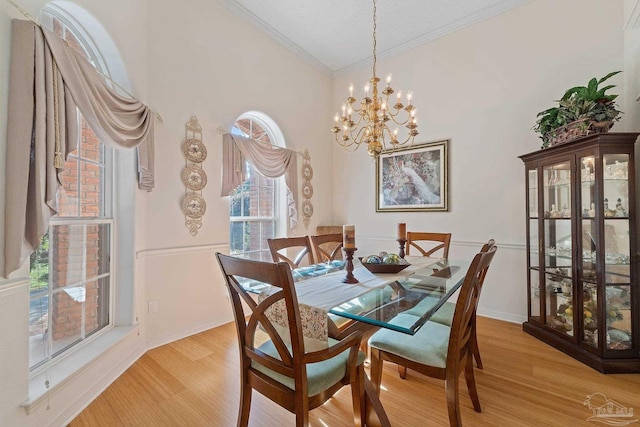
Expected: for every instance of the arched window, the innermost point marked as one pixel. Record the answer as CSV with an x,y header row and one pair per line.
x,y
72,283
256,208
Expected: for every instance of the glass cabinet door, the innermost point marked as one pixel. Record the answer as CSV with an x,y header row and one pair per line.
x,y
589,253
617,259
558,247
535,308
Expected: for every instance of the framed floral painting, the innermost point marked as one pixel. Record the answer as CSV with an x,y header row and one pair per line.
x,y
413,179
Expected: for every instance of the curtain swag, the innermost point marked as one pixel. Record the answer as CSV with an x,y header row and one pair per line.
x,y
48,80
268,160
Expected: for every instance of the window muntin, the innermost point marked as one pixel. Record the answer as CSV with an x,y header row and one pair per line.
x,y
70,289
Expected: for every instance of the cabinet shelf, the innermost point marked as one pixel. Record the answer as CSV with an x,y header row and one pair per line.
x,y
582,290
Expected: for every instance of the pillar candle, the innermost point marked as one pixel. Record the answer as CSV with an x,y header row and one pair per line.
x,y
349,236
402,231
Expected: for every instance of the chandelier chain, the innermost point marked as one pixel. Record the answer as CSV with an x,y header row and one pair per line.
x,y
375,58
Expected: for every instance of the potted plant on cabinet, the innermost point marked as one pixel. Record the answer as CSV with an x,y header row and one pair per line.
x,y
582,110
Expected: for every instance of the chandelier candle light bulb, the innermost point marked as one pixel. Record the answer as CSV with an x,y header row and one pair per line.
x,y
370,124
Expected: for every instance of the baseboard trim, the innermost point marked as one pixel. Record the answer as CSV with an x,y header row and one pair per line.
x,y
499,315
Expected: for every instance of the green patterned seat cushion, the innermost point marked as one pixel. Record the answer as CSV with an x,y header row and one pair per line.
x,y
320,375
428,346
444,315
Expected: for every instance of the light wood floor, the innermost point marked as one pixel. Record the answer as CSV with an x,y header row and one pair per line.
x,y
194,382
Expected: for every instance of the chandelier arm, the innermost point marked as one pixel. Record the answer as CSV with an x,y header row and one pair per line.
x,y
356,110
344,144
409,138
393,119
359,135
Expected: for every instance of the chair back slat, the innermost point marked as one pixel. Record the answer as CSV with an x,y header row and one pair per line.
x,y
327,247
442,242
302,246
467,304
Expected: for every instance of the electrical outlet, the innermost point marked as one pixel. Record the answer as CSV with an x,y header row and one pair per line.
x,y
153,307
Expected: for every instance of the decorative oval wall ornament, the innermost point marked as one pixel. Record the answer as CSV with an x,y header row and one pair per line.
x,y
307,171
193,205
307,190
307,208
194,178
194,150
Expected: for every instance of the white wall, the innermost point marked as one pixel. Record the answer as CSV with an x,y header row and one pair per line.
x,y
482,87
204,61
192,59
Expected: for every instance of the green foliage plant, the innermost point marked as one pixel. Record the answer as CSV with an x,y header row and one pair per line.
x,y
590,103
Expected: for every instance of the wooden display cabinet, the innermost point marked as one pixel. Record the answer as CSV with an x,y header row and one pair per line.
x,y
583,295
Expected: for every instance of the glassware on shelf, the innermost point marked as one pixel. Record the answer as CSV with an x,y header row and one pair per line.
x,y
616,170
618,318
590,315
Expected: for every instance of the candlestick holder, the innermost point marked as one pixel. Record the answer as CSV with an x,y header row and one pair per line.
x,y
349,278
401,242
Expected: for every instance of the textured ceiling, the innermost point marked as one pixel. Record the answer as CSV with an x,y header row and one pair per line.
x,y
336,35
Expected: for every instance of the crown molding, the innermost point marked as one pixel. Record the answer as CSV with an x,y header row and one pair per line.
x,y
634,17
258,23
487,13
245,14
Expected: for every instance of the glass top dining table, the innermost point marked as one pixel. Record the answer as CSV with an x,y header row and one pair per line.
x,y
420,289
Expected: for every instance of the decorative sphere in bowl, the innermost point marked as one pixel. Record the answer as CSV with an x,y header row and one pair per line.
x,y
391,259
376,264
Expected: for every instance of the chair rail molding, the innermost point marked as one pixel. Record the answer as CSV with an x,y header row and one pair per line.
x,y
144,253
469,243
11,286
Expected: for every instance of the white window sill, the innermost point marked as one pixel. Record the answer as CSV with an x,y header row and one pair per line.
x,y
73,366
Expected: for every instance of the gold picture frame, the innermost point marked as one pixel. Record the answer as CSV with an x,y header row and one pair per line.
x,y
413,179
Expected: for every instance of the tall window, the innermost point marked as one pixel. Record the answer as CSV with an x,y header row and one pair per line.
x,y
254,206
70,292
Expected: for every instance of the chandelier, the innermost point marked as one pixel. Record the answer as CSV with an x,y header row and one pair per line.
x,y
370,122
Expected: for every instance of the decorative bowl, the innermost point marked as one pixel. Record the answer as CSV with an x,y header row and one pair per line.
x,y
384,268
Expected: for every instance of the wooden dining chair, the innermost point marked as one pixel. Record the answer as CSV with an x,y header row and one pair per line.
x,y
438,350
444,316
301,246
327,247
283,372
427,241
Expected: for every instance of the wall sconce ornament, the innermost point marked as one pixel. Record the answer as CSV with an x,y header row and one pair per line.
x,y
307,189
193,176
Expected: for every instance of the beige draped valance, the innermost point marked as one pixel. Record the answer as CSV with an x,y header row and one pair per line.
x,y
48,80
270,161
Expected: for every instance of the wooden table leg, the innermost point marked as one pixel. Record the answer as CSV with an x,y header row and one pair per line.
x,y
375,414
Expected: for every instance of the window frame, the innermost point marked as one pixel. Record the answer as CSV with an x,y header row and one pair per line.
x,y
108,164
278,219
